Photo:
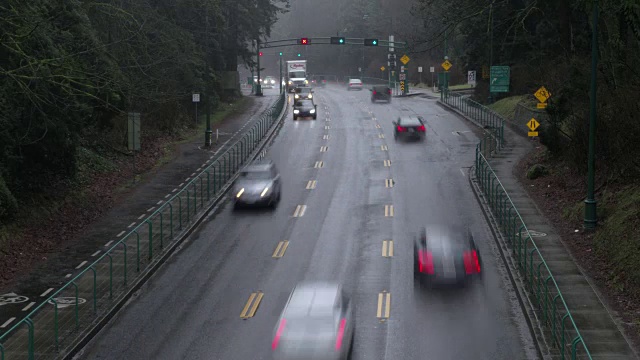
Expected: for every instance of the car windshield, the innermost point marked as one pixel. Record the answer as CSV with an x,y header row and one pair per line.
x,y
296,74
409,122
304,103
255,175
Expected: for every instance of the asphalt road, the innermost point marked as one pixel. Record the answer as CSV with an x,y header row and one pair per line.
x,y
191,309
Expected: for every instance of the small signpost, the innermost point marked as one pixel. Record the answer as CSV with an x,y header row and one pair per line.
x,y
420,72
471,78
542,95
533,124
195,98
405,59
432,70
446,65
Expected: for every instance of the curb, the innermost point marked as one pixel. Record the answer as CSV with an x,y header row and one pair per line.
x,y
76,348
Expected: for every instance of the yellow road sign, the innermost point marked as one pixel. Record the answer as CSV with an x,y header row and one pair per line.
x,y
533,124
533,133
542,94
541,105
485,72
446,65
405,59
382,68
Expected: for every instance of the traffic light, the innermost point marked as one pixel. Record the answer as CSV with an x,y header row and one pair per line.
x,y
337,40
299,55
280,53
370,42
304,41
260,53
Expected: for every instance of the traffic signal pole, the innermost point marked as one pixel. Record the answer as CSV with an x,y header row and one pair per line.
x,y
259,86
281,73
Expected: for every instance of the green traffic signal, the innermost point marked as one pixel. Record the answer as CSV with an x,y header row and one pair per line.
x,y
280,53
337,40
370,42
299,55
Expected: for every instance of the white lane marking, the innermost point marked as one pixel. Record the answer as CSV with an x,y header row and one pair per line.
x,y
95,253
194,174
187,179
130,225
141,216
159,202
119,234
181,184
166,196
111,242
6,323
211,157
174,190
462,171
46,292
81,264
220,148
67,276
28,306
151,209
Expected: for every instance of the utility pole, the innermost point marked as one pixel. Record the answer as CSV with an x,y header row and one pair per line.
x,y
590,213
490,50
281,73
207,86
259,86
445,86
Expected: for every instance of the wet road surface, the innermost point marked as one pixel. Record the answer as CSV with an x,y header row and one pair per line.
x,y
368,189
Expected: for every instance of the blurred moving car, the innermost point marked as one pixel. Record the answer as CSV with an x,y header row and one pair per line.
x,y
354,84
446,255
380,92
303,93
409,127
317,323
269,82
258,185
321,81
305,108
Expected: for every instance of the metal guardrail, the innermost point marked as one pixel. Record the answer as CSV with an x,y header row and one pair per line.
x,y
539,281
59,320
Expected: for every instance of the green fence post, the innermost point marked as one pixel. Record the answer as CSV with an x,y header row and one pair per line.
x,y
201,191
150,238
195,199
125,262
161,231
55,323
77,306
1,352
562,342
138,250
110,275
574,347
95,290
208,185
188,203
30,353
180,211
553,327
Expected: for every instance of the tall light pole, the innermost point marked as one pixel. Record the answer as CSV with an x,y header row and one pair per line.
x,y
207,95
280,72
259,86
590,214
490,50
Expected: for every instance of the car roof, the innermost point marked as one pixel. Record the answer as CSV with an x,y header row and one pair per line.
x,y
445,235
313,299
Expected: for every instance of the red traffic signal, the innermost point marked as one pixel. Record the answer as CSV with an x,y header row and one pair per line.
x,y
304,41
260,53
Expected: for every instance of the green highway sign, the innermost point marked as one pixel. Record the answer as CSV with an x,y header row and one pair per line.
x,y
499,79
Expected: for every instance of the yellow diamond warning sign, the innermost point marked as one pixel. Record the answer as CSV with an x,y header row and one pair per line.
x,y
446,65
533,124
382,68
405,59
542,94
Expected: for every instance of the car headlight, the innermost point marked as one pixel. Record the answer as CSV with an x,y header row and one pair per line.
x,y
310,96
290,82
306,81
296,96
240,193
265,191
273,81
296,111
313,111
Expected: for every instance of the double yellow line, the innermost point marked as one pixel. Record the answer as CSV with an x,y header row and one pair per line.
x,y
280,249
388,211
384,305
387,248
252,304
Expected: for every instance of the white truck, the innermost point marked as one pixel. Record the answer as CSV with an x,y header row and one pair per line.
x,y
296,74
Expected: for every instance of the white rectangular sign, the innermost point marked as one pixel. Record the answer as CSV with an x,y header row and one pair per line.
x,y
432,69
196,98
471,78
419,68
391,49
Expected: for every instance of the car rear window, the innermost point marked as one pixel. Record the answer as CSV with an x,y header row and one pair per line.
x,y
410,122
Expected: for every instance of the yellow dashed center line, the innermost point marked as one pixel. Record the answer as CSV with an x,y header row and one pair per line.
x,y
280,249
324,148
381,136
311,184
388,183
300,210
384,305
387,248
384,148
388,211
252,304
319,164
387,163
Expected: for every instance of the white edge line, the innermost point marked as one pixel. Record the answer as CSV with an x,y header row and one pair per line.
x,y
110,242
160,202
46,292
81,264
194,174
141,216
181,184
95,253
151,209
462,172
6,323
174,190
166,196
28,306
67,276
119,234
130,225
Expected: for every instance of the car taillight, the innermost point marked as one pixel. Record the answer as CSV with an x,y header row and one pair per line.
x,y
471,262
389,91
401,129
425,262
276,339
374,92
343,324
421,128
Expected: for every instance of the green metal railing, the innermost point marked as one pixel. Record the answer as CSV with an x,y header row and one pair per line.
x,y
57,322
543,290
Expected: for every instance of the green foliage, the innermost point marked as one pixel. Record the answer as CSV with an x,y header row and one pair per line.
x,y
8,203
72,69
507,107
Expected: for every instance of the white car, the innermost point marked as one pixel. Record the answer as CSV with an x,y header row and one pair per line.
x,y
354,84
269,82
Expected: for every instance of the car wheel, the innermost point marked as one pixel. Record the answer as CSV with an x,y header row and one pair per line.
x,y
295,118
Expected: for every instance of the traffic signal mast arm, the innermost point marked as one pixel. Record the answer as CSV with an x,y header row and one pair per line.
x,y
327,41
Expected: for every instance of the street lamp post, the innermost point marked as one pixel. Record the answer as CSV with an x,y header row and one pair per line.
x,y
280,73
259,86
490,51
207,93
590,214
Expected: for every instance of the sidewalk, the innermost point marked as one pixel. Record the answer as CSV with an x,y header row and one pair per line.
x,y
601,334
137,204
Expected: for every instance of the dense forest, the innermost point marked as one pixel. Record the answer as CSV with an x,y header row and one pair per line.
x,y
70,71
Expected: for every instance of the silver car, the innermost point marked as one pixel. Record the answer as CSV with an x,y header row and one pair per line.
x,y
258,185
317,323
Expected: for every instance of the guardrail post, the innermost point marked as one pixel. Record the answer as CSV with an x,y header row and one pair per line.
x,y
562,342
180,211
574,347
30,352
150,223
201,191
95,290
195,199
553,327
1,352
531,264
